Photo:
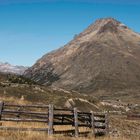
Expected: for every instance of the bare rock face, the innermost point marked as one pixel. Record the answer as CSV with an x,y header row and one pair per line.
x,y
106,56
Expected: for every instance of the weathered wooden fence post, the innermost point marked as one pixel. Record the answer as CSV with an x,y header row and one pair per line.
x,y
1,107
50,120
107,123
92,123
76,122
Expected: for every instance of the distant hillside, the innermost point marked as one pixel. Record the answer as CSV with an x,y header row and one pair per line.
x,y
8,68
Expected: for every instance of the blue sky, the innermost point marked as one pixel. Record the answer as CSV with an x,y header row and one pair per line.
x,y
31,28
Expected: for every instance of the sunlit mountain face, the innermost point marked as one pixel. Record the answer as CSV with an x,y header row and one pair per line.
x,y
105,57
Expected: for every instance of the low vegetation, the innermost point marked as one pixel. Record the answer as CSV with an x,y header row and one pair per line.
x,y
20,92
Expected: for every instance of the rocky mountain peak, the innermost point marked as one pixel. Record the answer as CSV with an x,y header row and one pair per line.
x,y
105,56
104,21
108,25
103,26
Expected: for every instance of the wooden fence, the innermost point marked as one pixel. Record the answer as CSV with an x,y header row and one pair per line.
x,y
133,116
96,122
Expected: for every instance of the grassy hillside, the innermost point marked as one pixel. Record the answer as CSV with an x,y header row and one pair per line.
x,y
16,87
19,90
22,89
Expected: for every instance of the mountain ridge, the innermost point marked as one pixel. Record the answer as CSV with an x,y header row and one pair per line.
x,y
8,68
105,56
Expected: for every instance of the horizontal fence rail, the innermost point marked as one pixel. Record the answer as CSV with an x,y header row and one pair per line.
x,y
51,116
133,116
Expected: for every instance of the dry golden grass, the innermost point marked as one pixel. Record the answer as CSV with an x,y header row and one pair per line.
x,y
9,135
128,129
43,136
13,100
29,135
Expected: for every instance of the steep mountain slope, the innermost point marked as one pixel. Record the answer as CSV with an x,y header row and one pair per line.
x,y
105,57
8,68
